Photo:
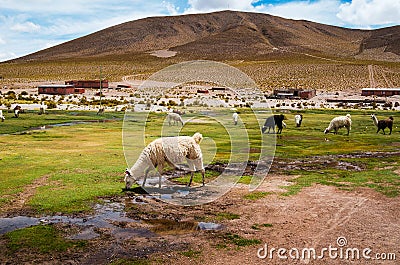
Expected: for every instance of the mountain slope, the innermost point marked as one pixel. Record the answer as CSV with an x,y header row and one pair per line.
x,y
226,34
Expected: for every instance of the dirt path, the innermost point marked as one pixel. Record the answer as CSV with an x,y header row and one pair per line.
x,y
389,83
372,83
17,204
314,218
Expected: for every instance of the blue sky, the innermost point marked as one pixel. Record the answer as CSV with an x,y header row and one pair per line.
x,y
28,26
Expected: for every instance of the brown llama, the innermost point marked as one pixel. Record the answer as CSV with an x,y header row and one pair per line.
x,y
383,124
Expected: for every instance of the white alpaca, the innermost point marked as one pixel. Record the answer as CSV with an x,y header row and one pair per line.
x,y
235,118
1,116
174,118
339,122
42,109
298,119
170,150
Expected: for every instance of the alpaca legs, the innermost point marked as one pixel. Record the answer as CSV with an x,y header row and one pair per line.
x,y
191,178
145,175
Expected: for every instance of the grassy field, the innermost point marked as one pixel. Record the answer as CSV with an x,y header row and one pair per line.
x,y
67,168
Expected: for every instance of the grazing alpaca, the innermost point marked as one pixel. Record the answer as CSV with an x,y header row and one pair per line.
x,y
167,150
42,109
298,119
174,118
235,118
382,124
271,121
339,122
17,110
100,111
1,116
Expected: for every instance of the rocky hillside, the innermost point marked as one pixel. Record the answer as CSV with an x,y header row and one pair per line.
x,y
228,35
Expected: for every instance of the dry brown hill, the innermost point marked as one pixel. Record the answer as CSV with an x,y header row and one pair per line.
x,y
226,35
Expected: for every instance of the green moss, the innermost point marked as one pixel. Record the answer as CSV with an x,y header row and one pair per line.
x,y
227,216
45,239
240,241
255,195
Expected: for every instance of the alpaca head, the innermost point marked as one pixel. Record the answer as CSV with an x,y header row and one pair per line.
x,y
128,179
326,130
197,137
264,128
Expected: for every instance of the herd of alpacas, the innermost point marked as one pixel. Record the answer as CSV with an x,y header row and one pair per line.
x,y
174,150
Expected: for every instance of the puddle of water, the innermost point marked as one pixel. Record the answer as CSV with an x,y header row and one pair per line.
x,y
14,223
65,124
166,226
110,217
106,216
209,226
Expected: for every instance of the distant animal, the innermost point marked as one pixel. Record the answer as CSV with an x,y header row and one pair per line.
x,y
167,150
17,110
272,121
235,118
178,112
339,122
298,119
42,109
174,118
2,116
383,124
100,111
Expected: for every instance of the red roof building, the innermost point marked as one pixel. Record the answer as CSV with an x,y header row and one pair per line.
x,y
56,89
88,83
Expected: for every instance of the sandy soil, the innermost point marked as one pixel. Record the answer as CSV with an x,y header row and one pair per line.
x,y
164,53
314,218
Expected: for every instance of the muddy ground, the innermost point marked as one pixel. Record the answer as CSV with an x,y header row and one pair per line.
x,y
162,233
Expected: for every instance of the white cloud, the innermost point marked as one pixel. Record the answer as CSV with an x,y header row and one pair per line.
x,y
209,6
26,27
370,12
323,11
172,9
4,56
29,25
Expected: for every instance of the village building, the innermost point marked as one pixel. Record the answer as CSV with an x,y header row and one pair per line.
x,y
295,93
56,89
380,92
88,83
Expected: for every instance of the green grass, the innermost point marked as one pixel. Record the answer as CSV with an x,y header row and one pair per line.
x,y
44,239
227,216
191,253
240,241
77,164
135,261
383,180
31,119
259,226
255,195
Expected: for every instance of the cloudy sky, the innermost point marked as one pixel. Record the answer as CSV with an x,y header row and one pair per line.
x,y
28,26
